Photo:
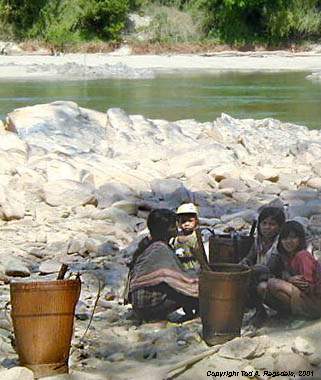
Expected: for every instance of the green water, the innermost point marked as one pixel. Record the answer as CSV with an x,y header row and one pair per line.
x,y
285,96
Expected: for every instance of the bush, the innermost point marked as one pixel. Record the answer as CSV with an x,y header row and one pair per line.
x,y
260,20
103,18
60,21
57,23
20,14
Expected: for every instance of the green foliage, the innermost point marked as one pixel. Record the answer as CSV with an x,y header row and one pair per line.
x,y
20,14
60,22
135,5
260,20
103,18
57,23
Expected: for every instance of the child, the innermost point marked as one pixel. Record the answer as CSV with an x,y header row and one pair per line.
x,y
270,222
264,258
158,285
298,292
185,243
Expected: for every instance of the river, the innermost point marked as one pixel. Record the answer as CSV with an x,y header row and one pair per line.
x,y
287,96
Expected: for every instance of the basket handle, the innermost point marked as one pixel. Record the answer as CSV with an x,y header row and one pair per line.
x,y
200,252
62,272
208,229
253,228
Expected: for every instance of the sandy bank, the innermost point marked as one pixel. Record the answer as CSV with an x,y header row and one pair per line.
x,y
36,66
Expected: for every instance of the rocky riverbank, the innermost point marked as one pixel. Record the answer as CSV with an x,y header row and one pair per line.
x,y
77,186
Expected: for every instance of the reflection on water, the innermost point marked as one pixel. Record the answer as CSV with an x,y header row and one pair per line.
x,y
285,96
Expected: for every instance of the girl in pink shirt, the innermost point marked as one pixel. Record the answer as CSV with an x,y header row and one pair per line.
x,y
298,292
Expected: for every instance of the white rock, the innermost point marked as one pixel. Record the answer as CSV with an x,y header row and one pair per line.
x,y
116,357
239,348
247,215
315,359
128,206
15,268
68,193
60,170
11,203
112,192
267,173
16,373
302,346
48,267
232,183
291,362
303,194
138,22
314,183
76,375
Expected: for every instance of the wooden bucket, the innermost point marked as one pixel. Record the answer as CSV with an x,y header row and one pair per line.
x,y
230,248
43,318
222,294
226,248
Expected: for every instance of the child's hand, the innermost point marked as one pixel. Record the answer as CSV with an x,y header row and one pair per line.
x,y
179,252
299,281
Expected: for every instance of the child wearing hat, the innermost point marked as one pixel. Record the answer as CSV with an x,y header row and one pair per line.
x,y
185,244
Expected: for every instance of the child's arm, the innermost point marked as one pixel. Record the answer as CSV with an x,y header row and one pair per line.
x,y
304,265
250,258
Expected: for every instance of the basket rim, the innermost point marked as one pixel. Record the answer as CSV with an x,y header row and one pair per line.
x,y
44,284
244,270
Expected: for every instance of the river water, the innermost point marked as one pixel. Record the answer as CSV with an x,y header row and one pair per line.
x,y
286,96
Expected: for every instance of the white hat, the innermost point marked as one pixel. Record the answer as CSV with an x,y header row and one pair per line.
x,y
187,208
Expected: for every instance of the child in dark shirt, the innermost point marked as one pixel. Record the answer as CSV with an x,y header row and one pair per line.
x,y
263,258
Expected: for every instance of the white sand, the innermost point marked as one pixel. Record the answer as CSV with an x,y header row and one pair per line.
x,y
39,66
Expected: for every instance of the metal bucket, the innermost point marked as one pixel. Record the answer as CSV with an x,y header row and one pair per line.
x,y
222,294
43,317
229,248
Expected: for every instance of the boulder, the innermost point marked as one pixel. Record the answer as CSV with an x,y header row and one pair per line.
x,y
58,127
248,215
112,192
306,210
16,268
128,206
118,119
11,203
68,193
61,170
302,346
50,266
164,188
232,183
302,194
314,183
267,173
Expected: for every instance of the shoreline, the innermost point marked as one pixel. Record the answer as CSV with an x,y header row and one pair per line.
x,y
53,67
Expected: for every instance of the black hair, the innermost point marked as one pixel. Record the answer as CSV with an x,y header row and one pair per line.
x,y
292,227
276,213
159,222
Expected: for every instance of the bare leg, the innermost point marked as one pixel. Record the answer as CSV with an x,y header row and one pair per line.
x,y
261,314
278,295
